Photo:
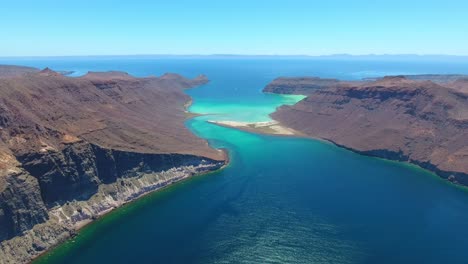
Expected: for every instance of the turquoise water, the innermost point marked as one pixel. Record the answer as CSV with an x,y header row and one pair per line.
x,y
245,110
281,200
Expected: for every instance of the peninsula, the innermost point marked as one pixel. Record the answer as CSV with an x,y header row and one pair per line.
x,y
420,119
72,149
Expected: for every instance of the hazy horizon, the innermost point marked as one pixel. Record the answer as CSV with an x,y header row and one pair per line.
x,y
345,55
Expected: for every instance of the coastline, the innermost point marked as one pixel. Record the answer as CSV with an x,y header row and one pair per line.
x,y
259,128
275,128
66,221
75,230
268,127
349,114
80,226
442,175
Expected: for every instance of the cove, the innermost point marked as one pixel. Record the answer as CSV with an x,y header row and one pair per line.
x,y
281,199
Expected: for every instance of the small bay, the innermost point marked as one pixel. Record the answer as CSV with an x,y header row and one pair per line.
x,y
281,199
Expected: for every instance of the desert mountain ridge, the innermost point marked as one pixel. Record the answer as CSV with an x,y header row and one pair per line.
x,y
74,148
421,119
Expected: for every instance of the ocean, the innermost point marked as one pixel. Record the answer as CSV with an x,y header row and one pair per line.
x,y
281,199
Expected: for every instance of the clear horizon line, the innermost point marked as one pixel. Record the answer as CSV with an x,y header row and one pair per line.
x,y
239,55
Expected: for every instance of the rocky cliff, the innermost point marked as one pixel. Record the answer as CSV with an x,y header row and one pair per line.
x,y
398,118
299,85
72,149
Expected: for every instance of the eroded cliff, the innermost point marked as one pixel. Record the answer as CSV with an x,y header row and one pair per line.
x,y
399,118
72,149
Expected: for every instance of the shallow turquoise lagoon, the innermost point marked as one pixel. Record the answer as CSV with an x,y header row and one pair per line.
x,y
243,110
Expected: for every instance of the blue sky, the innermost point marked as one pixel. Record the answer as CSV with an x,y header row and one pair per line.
x,y
289,27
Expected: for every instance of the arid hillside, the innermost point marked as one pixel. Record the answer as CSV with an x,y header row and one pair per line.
x,y
72,149
400,118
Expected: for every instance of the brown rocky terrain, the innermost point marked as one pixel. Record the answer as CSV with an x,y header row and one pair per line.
x,y
460,84
14,71
72,149
299,85
437,78
397,118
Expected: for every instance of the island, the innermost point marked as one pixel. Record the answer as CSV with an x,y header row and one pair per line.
x,y
420,119
73,149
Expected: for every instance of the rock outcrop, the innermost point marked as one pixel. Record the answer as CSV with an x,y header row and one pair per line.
x,y
71,149
398,118
299,85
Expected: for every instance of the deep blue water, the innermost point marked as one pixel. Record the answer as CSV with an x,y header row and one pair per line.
x,y
281,200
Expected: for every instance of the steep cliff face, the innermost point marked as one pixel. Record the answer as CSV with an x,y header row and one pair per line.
x,y
21,206
72,149
395,118
299,85
79,169
58,192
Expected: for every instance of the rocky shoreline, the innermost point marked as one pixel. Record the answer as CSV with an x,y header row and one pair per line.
x,y
74,149
66,220
420,119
